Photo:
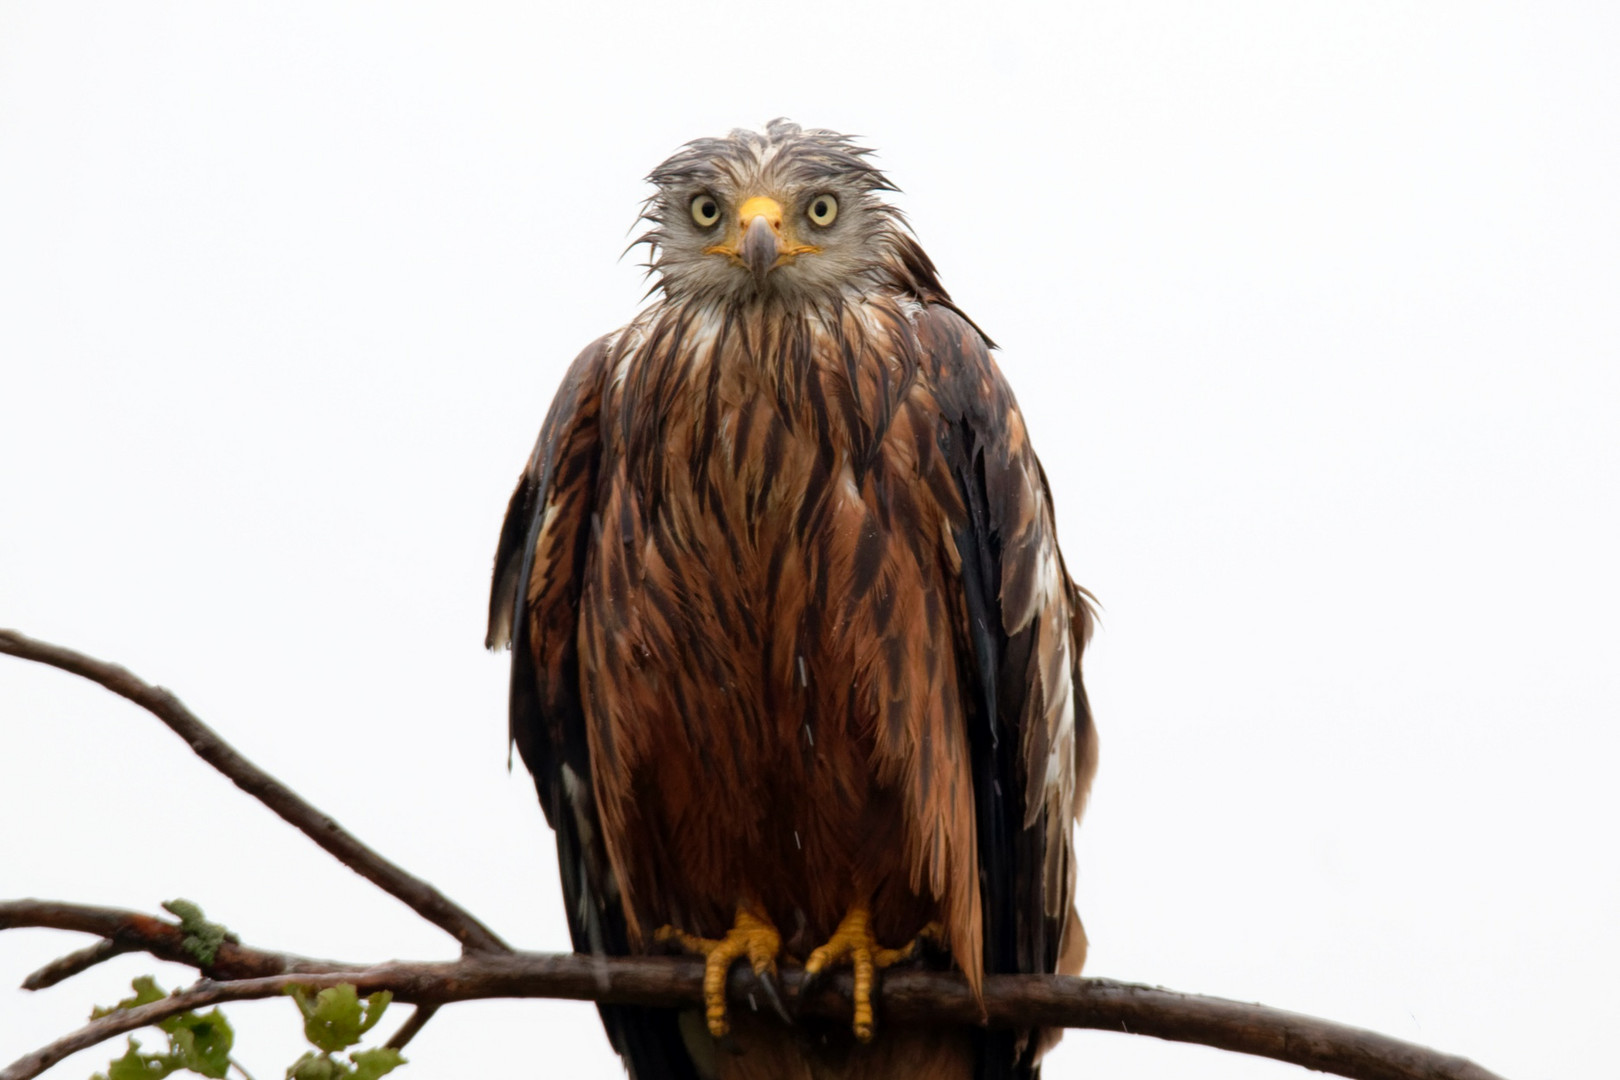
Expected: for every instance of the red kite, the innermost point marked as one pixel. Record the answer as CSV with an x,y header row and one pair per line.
x,y
795,657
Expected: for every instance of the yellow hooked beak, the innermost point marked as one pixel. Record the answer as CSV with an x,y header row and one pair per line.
x,y
758,242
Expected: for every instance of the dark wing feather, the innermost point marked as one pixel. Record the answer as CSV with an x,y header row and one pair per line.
x,y
1029,727
534,600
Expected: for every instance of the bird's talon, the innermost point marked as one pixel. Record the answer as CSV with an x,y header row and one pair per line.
x,y
853,941
684,942
932,934
750,937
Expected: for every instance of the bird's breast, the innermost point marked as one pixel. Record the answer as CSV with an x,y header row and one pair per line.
x,y
758,513
765,631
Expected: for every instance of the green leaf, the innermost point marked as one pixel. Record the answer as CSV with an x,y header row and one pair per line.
x,y
202,1043
376,1005
335,1019
135,1065
370,1064
203,938
313,1066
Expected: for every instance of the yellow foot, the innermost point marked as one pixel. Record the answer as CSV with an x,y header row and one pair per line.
x,y
751,936
853,941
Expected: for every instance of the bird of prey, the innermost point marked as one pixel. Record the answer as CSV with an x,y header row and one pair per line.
x,y
795,656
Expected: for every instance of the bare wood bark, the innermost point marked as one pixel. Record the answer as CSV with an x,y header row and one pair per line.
x,y
393,879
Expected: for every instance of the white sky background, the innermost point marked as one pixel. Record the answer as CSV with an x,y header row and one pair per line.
x,y
1312,308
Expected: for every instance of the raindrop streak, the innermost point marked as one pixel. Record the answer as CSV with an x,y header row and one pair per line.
x,y
803,679
796,840
808,735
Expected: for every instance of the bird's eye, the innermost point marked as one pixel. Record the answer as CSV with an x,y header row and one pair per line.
x,y
823,208
705,211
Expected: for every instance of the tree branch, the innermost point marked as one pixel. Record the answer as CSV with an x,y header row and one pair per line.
x,y
489,969
421,897
65,967
905,997
409,1029
133,931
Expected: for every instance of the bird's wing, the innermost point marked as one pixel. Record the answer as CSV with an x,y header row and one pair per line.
x,y
1031,737
534,603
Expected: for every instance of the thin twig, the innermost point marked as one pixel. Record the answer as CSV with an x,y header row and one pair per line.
x,y
905,998
409,1029
65,967
420,896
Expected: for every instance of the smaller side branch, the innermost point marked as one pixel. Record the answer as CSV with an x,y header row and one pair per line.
x,y
320,827
409,1029
73,963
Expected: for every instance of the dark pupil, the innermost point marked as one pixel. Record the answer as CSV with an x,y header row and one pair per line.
x,y
707,209
821,208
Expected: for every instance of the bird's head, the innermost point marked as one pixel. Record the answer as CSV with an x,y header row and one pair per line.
x,y
789,214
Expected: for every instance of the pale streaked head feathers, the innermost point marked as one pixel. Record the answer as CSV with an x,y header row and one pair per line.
x,y
777,176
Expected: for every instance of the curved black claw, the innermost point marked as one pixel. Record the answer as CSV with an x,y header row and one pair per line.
x,y
809,982
773,994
